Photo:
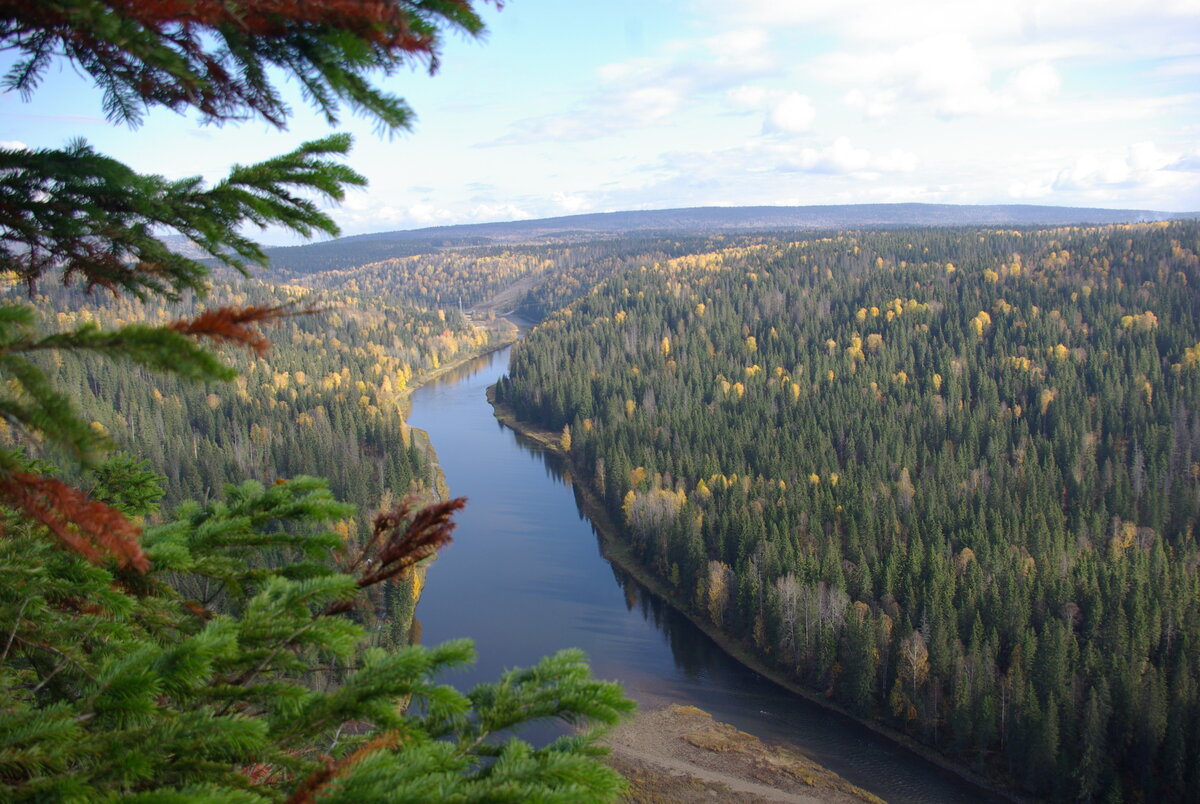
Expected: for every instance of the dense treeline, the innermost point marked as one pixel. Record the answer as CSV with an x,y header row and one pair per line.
x,y
532,280
325,399
949,477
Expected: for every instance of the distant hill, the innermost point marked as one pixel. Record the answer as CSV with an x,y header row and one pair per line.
x,y
361,249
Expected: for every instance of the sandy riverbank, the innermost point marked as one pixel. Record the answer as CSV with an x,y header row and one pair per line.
x,y
680,755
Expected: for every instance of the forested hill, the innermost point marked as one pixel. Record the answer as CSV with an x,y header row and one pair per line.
x,y
947,477
347,252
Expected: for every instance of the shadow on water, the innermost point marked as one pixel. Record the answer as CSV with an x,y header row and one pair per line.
x,y
526,577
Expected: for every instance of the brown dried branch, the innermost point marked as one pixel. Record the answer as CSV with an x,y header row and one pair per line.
x,y
399,539
238,324
98,532
306,793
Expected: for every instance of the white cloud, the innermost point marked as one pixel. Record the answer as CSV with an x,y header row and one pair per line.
x,y
649,91
1030,189
749,97
1145,156
738,44
944,72
1090,171
840,157
1187,66
1035,83
648,105
571,204
374,217
874,105
1189,162
13,145
425,214
940,100
956,59
498,212
1124,175
783,112
791,114
1147,24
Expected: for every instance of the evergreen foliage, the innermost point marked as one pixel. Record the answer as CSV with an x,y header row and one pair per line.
x,y
218,656
950,478
213,678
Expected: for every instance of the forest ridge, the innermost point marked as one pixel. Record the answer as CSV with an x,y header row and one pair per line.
x,y
945,476
949,478
347,252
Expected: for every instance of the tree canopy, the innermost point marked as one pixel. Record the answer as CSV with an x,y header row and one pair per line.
x,y
218,656
82,216
945,477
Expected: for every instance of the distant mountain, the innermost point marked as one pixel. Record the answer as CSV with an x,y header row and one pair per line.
x,y
185,246
361,249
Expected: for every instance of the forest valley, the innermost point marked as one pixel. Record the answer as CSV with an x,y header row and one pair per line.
x,y
949,478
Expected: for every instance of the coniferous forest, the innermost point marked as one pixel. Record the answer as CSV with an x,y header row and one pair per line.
x,y
948,478
327,396
224,650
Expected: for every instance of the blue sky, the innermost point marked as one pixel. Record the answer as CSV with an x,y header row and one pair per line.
x,y
573,107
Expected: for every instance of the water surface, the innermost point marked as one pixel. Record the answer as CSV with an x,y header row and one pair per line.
x,y
525,577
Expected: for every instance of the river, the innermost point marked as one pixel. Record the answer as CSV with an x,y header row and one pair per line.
x,y
525,577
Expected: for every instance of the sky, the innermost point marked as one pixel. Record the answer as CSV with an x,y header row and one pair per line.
x,y
567,107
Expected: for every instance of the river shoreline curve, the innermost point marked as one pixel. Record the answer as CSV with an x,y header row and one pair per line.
x,y
615,550
438,489
506,336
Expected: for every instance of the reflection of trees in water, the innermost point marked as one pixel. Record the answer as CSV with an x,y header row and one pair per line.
x,y
459,373
551,462
693,652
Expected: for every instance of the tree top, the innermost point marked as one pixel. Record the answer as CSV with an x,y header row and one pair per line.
x,y
217,56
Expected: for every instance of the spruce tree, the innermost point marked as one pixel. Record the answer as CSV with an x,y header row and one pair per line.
x,y
216,657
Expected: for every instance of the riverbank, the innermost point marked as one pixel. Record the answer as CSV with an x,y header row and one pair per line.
x,y
505,334
439,489
615,550
681,755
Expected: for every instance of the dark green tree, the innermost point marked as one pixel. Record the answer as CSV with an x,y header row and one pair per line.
x,y
215,657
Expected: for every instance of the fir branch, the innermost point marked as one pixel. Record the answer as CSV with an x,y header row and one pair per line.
x,y
98,532
235,324
216,57
65,660
399,540
249,676
88,216
311,787
13,633
43,410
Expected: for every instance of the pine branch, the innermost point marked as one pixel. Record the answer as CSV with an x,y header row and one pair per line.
x,y
91,217
399,540
96,531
